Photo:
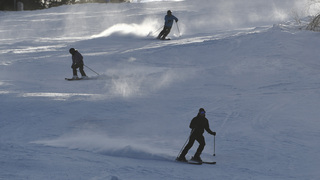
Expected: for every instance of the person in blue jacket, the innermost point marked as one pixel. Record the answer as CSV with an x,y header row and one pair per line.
x,y
169,18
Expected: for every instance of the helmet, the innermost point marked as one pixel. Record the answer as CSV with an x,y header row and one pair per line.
x,y
201,110
72,50
169,12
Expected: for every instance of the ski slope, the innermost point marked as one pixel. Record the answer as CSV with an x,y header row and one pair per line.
x,y
248,64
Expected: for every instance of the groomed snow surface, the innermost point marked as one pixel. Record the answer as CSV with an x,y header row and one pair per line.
x,y
253,68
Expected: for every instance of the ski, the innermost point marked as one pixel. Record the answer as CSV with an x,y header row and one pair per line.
x,y
197,163
71,79
164,39
194,163
189,162
208,162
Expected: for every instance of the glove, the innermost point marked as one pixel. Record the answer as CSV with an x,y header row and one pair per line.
x,y
177,20
214,133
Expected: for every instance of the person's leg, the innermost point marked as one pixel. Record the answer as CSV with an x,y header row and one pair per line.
x,y
74,69
187,147
166,32
202,143
161,33
81,70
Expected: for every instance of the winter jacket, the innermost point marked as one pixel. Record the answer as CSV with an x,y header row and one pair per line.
x,y
168,20
77,58
199,124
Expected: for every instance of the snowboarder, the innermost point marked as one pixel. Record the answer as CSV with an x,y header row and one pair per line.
x,y
167,25
198,125
77,62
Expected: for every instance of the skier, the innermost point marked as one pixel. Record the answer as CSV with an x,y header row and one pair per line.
x,y
198,125
77,62
167,25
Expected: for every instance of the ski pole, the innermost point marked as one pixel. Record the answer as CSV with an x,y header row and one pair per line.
x,y
178,29
158,29
185,143
92,70
214,146
152,33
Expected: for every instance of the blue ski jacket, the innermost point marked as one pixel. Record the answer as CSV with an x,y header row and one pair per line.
x,y
168,20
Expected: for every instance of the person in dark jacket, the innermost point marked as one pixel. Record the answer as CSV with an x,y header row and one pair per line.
x,y
168,22
198,125
77,62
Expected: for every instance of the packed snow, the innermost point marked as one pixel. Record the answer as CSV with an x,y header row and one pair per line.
x,y
250,64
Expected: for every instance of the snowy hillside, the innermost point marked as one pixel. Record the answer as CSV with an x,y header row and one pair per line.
x,y
247,63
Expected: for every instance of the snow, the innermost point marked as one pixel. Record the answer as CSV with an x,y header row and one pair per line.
x,y
248,63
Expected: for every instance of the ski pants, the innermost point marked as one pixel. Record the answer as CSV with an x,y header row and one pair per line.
x,y
75,67
164,33
193,138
